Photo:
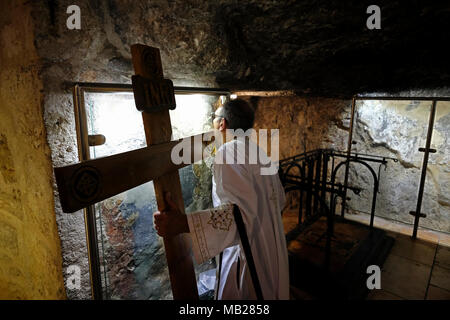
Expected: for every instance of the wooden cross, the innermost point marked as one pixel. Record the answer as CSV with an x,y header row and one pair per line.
x,y
91,181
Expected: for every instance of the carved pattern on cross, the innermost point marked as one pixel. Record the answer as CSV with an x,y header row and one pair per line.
x,y
86,183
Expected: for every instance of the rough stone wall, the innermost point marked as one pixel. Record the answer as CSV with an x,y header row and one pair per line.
x,y
305,124
30,253
319,47
323,47
393,129
398,129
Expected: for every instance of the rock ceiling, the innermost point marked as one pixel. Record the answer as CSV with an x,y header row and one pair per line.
x,y
312,47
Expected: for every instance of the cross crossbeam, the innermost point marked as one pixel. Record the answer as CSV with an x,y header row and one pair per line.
x,y
91,181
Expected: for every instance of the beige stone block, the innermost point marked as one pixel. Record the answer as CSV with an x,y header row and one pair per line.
x,y
440,277
405,278
428,235
435,293
444,240
417,250
443,257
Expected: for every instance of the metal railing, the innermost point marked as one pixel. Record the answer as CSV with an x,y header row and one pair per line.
x,y
313,174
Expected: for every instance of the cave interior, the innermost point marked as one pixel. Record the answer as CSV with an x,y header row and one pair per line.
x,y
363,119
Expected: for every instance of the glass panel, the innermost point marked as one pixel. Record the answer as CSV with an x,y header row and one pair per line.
x,y
193,114
134,263
115,116
132,255
392,129
133,260
436,197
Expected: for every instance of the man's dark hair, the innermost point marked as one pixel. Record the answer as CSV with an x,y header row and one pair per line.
x,y
238,114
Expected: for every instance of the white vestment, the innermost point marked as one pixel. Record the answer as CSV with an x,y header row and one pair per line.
x,y
260,199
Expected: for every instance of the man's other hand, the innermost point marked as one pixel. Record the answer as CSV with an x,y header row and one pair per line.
x,y
170,221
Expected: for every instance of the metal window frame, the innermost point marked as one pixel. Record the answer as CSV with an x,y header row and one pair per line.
x,y
79,89
417,214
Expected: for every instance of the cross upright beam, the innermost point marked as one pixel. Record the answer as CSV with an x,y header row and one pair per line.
x,y
158,129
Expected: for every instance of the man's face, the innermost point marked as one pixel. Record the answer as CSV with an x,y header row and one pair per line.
x,y
219,121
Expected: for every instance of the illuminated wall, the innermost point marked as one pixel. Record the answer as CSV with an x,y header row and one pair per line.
x,y
30,253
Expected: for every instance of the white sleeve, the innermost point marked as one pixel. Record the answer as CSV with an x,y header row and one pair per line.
x,y
212,231
235,184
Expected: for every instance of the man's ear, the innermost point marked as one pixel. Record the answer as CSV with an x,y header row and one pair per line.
x,y
222,124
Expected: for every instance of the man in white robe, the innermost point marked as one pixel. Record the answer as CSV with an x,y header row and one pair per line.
x,y
260,199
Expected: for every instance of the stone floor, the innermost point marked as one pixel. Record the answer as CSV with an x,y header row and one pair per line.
x,y
414,269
